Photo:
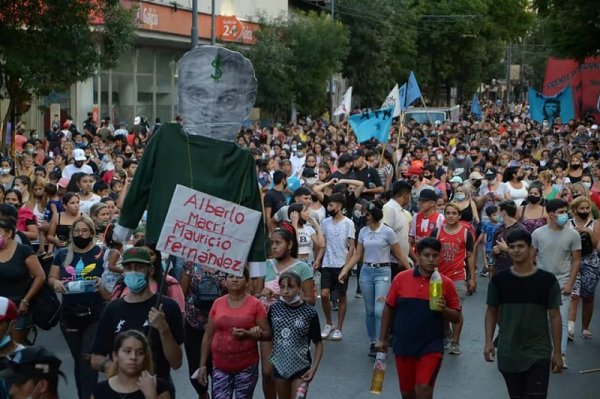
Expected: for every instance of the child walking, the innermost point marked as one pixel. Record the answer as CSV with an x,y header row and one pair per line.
x,y
295,324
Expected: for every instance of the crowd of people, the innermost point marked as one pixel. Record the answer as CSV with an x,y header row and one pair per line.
x,y
503,198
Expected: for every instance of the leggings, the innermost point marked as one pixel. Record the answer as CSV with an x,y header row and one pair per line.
x,y
240,383
530,384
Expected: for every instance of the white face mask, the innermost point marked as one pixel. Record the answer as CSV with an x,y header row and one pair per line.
x,y
587,185
294,299
4,171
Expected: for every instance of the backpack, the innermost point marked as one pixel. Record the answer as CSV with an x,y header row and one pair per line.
x,y
45,308
206,292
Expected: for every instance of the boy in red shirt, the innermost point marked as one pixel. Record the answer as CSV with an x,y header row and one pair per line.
x,y
418,331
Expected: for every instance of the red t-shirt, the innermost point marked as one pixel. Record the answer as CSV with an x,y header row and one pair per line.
x,y
454,252
229,353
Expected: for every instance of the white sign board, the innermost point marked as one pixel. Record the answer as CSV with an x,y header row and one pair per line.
x,y
207,230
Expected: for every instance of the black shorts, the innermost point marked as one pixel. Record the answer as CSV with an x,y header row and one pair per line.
x,y
329,279
294,376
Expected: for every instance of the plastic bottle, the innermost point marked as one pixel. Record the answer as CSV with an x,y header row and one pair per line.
x,y
79,286
317,279
378,373
435,290
301,391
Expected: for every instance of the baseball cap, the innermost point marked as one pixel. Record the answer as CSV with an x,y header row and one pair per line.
x,y
63,182
414,171
594,127
79,155
456,179
428,195
137,255
34,362
8,309
491,173
358,153
300,145
476,176
344,159
309,172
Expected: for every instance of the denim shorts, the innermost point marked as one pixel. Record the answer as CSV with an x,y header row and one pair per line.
x,y
24,321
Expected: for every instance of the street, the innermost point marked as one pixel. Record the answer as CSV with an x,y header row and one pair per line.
x,y
345,371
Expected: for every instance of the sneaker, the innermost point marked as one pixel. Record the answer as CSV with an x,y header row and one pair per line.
x,y
565,362
454,349
335,306
358,295
571,335
571,330
326,331
372,351
484,273
336,335
586,334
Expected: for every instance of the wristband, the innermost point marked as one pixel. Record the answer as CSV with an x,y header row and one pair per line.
x,y
25,301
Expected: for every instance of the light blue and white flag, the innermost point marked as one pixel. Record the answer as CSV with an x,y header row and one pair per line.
x,y
412,89
551,107
375,124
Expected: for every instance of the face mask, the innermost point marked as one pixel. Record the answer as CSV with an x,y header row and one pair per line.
x,y
294,299
587,185
357,214
314,198
34,136
499,219
440,157
128,154
583,215
520,178
460,157
459,197
79,164
533,199
81,242
483,149
562,219
299,154
4,171
575,166
311,180
135,281
473,157
3,242
5,341
477,183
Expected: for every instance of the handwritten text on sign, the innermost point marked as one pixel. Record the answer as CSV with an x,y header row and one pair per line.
x,y
207,230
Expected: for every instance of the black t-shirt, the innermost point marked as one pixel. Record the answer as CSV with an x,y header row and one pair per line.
x,y
14,274
275,200
339,175
104,391
86,266
120,315
370,177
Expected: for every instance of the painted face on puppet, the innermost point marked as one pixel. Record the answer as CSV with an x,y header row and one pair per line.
x,y
217,90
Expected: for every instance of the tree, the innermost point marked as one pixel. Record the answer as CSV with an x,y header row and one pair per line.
x,y
47,45
571,27
293,61
382,45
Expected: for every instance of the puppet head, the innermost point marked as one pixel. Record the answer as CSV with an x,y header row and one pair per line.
x,y
217,90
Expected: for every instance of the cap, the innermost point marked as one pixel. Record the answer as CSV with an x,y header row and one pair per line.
x,y
491,173
428,195
358,153
476,176
136,254
34,362
414,171
594,127
456,179
423,140
300,145
79,155
137,120
344,159
8,309
55,125
309,172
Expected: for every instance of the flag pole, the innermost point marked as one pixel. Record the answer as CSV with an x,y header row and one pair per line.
x,y
427,112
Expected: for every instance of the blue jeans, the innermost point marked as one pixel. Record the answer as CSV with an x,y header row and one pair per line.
x,y
374,285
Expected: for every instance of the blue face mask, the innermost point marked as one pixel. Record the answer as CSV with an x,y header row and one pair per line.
x,y
499,219
5,341
562,219
135,281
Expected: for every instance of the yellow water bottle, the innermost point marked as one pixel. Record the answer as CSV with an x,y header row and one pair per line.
x,y
435,290
378,373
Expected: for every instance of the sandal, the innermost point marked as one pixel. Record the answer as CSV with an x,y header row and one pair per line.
x,y
587,334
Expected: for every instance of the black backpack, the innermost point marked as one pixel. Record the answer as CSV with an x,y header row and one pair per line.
x,y
206,292
46,308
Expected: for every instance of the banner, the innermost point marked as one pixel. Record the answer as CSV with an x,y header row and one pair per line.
x,y
369,125
583,78
207,230
476,107
412,89
550,107
346,105
393,100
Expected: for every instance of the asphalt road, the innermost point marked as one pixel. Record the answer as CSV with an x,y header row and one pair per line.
x,y
345,371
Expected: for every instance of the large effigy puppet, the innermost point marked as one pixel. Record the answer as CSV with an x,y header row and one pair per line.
x,y
217,90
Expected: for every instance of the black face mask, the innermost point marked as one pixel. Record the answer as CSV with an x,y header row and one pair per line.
x,y
81,242
473,157
575,166
79,164
533,199
128,154
477,183
583,215
314,198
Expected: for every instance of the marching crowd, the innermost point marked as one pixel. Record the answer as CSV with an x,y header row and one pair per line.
x,y
505,197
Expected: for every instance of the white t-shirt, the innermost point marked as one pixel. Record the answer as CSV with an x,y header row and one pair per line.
x,y
71,169
517,194
393,216
305,242
85,206
377,243
337,236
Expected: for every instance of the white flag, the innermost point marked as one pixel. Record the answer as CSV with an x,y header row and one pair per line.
x,y
345,106
392,99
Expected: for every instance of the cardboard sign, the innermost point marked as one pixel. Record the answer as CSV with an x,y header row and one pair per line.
x,y
207,230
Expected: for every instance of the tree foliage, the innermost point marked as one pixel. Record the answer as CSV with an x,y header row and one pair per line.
x,y
294,59
47,45
571,27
